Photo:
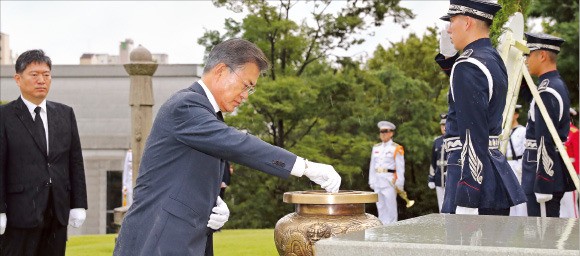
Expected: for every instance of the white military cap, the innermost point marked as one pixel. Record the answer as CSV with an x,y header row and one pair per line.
x,y
443,118
573,112
386,125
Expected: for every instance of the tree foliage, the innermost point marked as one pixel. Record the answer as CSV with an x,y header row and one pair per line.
x,y
508,7
325,108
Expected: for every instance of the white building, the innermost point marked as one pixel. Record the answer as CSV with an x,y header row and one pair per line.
x,y
125,48
5,51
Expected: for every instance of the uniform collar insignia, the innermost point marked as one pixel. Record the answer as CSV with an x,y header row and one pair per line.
x,y
543,85
466,54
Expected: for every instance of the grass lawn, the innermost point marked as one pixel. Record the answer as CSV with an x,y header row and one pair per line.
x,y
227,242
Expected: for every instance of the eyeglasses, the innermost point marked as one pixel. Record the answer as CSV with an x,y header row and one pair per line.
x,y
386,131
248,88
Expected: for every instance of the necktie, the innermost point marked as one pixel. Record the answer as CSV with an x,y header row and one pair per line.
x,y
220,116
40,128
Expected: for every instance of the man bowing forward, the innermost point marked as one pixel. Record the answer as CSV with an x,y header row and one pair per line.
x,y
176,206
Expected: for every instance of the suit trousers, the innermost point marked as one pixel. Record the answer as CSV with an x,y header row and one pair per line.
x,y
209,244
387,205
49,238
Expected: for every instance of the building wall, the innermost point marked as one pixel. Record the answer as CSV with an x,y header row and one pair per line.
x,y
5,52
99,95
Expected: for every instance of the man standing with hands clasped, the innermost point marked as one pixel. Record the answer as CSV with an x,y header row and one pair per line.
x,y
437,173
176,206
42,176
547,180
387,172
479,179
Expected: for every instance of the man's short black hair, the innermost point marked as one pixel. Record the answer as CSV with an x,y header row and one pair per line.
x,y
31,56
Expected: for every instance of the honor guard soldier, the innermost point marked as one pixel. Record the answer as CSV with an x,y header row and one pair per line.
x,y
438,162
569,203
514,153
479,179
387,172
547,182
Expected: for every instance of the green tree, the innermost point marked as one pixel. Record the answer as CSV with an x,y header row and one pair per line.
x,y
508,7
296,103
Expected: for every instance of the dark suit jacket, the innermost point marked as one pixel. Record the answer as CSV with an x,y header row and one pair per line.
x,y
227,175
25,169
181,173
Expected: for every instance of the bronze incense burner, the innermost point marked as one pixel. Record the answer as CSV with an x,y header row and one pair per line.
x,y
320,215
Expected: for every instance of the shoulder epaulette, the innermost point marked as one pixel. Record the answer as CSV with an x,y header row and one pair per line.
x,y
399,150
543,85
466,54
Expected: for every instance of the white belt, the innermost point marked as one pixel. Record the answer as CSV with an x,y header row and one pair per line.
x,y
454,143
531,144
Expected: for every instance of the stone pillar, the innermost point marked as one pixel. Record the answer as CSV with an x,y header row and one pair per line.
x,y
140,69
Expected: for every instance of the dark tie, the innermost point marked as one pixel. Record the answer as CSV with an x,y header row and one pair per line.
x,y
40,128
220,116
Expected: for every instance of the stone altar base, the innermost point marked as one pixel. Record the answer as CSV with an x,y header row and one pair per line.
x,y
449,234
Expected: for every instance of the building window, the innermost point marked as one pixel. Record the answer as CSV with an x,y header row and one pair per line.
x,y
114,198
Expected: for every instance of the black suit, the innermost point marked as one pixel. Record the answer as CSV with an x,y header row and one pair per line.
x,y
36,190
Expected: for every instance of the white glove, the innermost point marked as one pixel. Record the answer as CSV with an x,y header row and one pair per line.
x,y
431,185
220,215
76,217
445,44
323,175
2,223
466,210
542,198
372,186
400,184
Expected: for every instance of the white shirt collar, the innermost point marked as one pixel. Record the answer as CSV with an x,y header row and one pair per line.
x,y
31,106
214,104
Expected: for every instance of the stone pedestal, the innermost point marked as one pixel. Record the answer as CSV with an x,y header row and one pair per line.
x,y
448,235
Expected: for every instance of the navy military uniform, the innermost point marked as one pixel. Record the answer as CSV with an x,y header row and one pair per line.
x,y
437,167
478,175
544,171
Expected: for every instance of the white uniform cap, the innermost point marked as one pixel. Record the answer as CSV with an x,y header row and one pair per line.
x,y
386,125
573,112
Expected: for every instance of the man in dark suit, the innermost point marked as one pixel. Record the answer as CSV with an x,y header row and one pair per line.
x,y
176,206
226,179
42,178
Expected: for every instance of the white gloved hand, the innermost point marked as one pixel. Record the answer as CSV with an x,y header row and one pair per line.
x,y
400,185
372,186
431,185
445,44
77,217
323,175
3,221
466,210
542,198
220,215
